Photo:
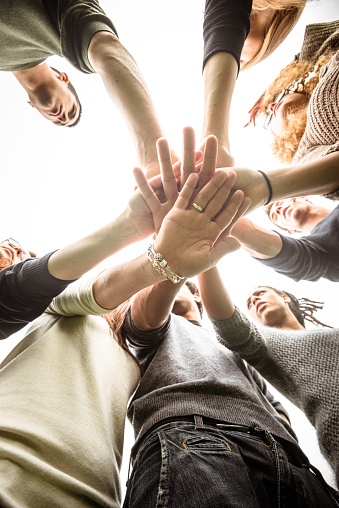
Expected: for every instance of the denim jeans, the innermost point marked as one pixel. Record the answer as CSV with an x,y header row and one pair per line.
x,y
183,465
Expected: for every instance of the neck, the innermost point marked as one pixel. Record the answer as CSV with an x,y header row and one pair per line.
x,y
314,216
31,79
289,323
189,314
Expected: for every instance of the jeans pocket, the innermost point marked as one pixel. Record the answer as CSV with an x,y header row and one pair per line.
x,y
206,444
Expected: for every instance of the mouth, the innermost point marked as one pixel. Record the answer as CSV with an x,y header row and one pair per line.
x,y
259,306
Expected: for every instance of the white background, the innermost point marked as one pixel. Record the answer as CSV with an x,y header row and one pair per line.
x,y
60,184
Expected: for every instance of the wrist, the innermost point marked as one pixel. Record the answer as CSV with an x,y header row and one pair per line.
x,y
160,265
147,146
269,191
126,229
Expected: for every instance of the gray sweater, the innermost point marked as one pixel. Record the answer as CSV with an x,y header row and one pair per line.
x,y
187,372
302,365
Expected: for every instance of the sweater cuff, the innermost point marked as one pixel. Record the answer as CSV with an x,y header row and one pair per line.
x,y
232,330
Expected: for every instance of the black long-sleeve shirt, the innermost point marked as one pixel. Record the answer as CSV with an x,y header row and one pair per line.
x,y
226,26
313,256
26,290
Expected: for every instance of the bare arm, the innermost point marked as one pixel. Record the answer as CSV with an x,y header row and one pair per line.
x,y
317,177
214,295
152,306
134,224
259,242
220,74
127,89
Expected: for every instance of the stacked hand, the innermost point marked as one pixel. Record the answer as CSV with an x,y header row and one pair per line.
x,y
193,237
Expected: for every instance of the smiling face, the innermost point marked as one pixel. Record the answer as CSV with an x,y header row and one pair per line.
x,y
11,254
268,307
281,110
290,214
55,101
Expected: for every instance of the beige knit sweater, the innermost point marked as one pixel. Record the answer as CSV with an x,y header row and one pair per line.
x,y
64,390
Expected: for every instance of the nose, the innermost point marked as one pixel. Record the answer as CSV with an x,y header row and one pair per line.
x,y
63,118
18,251
277,206
254,299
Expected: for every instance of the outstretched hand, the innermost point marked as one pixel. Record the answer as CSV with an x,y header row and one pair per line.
x,y
160,194
192,241
254,112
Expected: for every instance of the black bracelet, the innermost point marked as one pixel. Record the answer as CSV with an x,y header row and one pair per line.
x,y
270,192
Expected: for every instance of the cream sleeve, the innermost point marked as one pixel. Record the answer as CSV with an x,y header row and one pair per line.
x,y
78,299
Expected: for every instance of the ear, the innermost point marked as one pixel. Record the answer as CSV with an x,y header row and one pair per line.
x,y
197,297
29,102
63,77
291,231
286,298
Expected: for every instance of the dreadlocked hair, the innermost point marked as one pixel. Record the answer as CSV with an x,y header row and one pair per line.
x,y
296,77
115,320
303,308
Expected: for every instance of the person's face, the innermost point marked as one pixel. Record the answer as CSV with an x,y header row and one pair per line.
x,y
55,101
11,253
291,213
185,301
267,307
282,109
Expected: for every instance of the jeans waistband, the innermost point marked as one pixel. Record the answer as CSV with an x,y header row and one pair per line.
x,y
200,421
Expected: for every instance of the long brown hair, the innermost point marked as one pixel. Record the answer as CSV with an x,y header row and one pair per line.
x,y
286,15
115,320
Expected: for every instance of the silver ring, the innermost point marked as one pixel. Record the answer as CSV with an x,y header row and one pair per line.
x,y
198,207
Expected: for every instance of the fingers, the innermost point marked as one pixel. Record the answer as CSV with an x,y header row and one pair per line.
x,y
145,189
167,174
211,198
186,192
231,212
188,154
209,162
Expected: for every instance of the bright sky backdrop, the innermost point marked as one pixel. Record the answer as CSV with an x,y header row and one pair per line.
x,y
60,184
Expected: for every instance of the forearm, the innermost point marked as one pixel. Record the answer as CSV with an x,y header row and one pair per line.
x,y
317,177
115,285
220,74
74,260
127,89
151,306
214,295
258,242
